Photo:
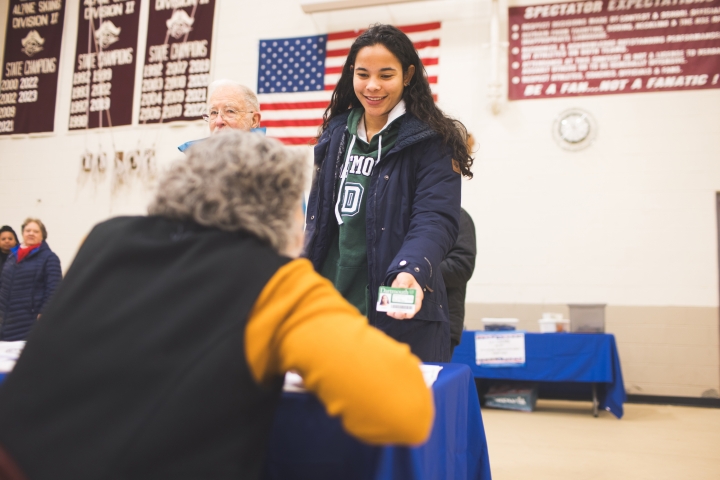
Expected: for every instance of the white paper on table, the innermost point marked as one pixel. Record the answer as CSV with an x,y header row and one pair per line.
x,y
6,365
494,349
293,383
9,353
430,373
11,350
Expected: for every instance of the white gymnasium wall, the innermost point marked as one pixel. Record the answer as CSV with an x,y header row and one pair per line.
x,y
629,221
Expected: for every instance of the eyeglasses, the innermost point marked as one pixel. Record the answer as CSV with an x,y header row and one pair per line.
x,y
228,114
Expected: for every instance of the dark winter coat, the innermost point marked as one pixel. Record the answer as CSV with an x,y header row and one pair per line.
x,y
25,288
457,268
3,259
412,210
139,371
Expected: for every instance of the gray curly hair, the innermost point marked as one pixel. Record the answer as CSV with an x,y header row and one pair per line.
x,y
235,181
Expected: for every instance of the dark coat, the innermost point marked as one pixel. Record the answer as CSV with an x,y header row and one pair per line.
x,y
137,370
412,210
25,289
457,268
3,259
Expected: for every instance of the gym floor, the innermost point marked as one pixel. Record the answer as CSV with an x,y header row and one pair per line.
x,y
561,440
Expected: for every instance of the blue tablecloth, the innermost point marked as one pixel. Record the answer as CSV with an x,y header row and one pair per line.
x,y
307,444
560,357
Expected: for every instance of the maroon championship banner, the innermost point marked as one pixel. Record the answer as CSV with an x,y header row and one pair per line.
x,y
30,66
603,47
176,72
104,78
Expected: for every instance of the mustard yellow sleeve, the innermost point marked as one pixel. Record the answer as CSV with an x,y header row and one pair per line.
x,y
373,383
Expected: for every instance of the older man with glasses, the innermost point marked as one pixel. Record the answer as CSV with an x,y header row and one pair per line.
x,y
231,105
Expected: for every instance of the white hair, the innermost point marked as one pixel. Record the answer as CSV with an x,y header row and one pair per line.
x,y
249,96
235,181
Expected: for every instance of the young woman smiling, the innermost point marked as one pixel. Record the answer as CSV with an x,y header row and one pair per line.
x,y
385,200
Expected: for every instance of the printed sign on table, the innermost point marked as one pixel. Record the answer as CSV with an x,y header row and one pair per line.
x,y
500,349
30,66
176,72
601,47
104,78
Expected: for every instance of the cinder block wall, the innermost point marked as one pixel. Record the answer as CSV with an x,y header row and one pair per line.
x,y
669,351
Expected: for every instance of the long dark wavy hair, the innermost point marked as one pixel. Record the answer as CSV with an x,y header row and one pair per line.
x,y
417,95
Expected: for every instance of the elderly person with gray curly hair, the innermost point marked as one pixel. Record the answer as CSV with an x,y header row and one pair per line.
x,y
163,351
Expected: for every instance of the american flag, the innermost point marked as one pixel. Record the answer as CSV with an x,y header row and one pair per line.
x,y
296,77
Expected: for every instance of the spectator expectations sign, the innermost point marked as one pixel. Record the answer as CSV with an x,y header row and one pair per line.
x,y
601,47
30,66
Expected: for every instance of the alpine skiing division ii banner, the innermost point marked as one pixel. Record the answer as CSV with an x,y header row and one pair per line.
x,y
104,78
30,66
613,46
176,72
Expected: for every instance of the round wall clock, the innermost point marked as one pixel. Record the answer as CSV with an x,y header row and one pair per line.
x,y
574,129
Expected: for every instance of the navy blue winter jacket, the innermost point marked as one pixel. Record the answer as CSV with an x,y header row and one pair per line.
x,y
25,289
412,211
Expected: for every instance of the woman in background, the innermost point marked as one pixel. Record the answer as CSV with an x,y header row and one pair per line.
x,y
30,276
8,241
385,199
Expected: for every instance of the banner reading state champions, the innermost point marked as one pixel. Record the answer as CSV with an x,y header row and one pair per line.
x,y
30,66
176,71
104,78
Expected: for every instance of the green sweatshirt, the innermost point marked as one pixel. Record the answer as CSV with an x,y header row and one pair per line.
x,y
346,264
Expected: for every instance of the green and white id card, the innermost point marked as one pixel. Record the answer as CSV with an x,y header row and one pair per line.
x,y
400,300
